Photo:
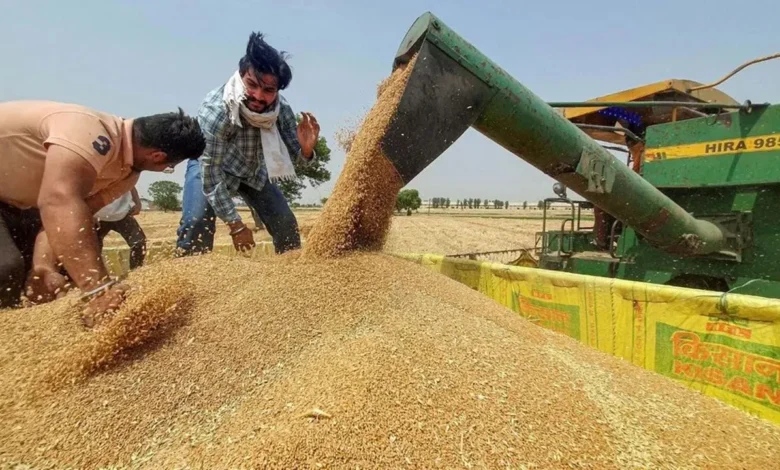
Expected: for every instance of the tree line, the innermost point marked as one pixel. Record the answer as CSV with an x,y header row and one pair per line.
x,y
471,203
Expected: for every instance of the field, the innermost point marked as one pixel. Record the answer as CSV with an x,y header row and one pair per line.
x,y
450,231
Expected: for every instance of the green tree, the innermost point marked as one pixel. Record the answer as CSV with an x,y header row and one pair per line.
x,y
408,200
165,195
540,205
477,203
447,203
506,204
323,201
525,205
314,173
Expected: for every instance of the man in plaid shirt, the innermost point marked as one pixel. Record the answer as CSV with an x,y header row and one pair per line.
x,y
252,141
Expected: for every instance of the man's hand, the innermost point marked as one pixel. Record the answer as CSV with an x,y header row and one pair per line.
x,y
105,303
242,236
308,133
44,285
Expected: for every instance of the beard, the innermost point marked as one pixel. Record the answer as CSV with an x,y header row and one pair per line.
x,y
257,106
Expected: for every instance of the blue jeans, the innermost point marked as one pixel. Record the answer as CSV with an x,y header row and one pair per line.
x,y
198,222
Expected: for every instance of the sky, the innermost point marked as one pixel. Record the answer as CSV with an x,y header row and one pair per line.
x,y
140,57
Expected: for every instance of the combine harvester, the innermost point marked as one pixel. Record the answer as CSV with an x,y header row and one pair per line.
x,y
679,273
695,203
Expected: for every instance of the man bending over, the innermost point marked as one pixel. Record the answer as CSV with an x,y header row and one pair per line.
x,y
59,164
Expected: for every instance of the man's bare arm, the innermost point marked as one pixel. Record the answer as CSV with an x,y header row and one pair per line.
x,y
67,219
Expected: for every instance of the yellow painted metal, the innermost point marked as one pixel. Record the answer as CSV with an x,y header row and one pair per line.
x,y
666,90
761,143
525,260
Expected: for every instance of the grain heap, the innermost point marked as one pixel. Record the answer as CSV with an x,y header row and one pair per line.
x,y
361,361
358,213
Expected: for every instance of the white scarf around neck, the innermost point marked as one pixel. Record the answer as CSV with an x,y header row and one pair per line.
x,y
277,157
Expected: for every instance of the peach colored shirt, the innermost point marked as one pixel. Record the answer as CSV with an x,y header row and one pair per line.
x,y
28,128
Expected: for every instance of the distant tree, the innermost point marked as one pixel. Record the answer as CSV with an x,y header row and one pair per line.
x,y
408,200
540,205
471,203
477,203
165,195
506,204
323,200
447,203
525,205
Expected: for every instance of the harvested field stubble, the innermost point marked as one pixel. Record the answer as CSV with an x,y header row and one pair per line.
x,y
365,360
358,213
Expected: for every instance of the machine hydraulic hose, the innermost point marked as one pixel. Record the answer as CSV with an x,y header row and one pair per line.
x,y
453,86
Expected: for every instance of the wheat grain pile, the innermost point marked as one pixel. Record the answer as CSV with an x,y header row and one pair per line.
x,y
358,213
364,361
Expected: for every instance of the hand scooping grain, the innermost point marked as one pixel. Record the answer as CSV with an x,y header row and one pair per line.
x,y
103,304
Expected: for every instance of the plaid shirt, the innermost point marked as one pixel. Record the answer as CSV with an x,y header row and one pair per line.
x,y
234,155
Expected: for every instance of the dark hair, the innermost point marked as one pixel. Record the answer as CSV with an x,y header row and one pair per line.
x,y
176,134
264,59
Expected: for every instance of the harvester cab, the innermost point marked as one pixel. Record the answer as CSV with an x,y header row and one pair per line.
x,y
683,220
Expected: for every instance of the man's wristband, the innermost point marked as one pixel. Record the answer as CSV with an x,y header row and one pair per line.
x,y
238,230
97,290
